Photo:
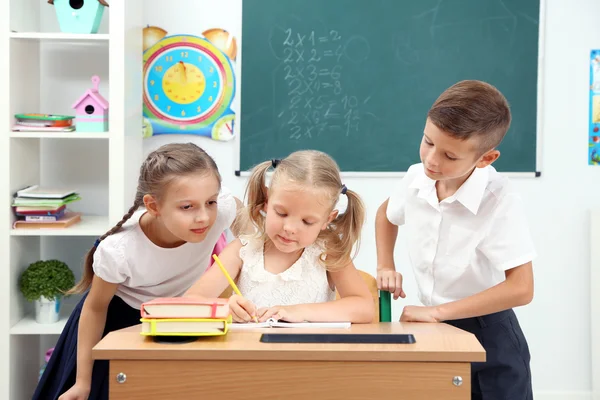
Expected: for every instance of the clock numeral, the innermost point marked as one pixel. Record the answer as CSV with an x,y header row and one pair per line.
x,y
169,58
211,69
168,108
158,68
200,58
152,82
210,98
198,109
184,54
214,83
183,113
155,97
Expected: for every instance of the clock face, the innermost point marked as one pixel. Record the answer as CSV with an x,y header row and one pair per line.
x,y
188,83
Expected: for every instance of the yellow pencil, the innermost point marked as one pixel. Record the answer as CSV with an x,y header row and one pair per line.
x,y
231,282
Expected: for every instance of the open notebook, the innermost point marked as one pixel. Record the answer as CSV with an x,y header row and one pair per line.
x,y
273,323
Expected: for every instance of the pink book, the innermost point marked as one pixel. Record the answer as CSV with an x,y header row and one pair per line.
x,y
185,307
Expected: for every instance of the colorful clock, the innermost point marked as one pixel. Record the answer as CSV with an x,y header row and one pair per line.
x,y
188,88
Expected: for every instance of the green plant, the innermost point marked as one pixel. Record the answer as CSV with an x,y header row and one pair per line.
x,y
49,278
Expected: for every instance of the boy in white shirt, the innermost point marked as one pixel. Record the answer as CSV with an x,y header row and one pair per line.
x,y
468,239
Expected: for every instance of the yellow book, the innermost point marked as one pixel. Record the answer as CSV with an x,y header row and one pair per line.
x,y
185,326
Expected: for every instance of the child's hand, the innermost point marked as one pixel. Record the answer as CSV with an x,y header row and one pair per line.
x,y
281,313
390,281
241,309
419,314
77,392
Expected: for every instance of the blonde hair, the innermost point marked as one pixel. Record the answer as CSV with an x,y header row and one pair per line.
x,y
317,170
158,171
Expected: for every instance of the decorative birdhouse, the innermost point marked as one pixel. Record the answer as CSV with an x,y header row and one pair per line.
x,y
79,16
91,110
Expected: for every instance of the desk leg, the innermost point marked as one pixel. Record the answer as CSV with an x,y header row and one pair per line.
x,y
289,380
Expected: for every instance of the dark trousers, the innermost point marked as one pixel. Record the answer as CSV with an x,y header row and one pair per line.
x,y
505,375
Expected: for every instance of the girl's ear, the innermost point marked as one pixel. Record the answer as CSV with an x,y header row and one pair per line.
x,y
151,205
333,215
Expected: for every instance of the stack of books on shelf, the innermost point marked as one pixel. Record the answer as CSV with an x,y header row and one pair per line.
x,y
43,123
38,207
182,316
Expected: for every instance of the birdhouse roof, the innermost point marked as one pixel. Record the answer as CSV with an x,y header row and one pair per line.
x,y
94,95
103,2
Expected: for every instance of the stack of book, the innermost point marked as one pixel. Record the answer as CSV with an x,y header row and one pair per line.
x,y
182,316
38,207
33,122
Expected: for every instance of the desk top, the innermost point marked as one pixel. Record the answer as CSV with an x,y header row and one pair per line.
x,y
434,342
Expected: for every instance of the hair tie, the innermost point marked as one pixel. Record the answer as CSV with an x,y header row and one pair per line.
x,y
275,162
344,189
97,242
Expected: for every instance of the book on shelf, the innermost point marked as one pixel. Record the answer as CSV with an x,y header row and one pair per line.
x,y
39,207
65,221
30,122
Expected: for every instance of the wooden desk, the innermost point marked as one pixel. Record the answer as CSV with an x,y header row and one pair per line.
x,y
239,366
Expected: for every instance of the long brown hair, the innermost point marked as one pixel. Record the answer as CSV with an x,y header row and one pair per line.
x,y
317,170
158,171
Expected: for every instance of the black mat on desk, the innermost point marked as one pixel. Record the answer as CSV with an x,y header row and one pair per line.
x,y
337,338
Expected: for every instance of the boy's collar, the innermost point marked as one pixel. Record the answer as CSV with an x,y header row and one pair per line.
x,y
469,194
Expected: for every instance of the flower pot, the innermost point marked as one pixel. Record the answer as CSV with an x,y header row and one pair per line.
x,y
47,311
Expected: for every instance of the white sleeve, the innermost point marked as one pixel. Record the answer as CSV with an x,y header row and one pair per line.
x,y
227,209
508,243
110,264
397,201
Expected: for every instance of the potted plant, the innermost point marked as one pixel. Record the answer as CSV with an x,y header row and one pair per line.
x,y
44,282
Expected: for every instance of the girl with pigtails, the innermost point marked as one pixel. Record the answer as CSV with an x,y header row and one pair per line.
x,y
301,250
158,249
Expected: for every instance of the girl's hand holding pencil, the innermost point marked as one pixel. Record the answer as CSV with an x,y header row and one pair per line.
x,y
242,310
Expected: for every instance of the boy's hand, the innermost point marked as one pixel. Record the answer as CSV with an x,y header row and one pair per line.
x,y
241,309
390,281
281,313
419,314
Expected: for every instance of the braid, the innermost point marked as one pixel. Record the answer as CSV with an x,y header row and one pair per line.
x,y
88,270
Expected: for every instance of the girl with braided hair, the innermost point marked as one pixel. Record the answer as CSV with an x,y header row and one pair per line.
x,y
158,249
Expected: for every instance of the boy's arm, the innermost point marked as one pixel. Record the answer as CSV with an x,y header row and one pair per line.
x,y
515,291
386,234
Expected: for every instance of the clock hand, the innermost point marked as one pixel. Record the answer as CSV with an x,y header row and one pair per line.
x,y
183,73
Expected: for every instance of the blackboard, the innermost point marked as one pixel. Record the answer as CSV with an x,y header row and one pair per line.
x,y
355,78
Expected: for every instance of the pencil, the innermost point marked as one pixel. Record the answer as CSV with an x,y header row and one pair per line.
x,y
231,282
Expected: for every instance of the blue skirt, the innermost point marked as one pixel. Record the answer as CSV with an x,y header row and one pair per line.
x,y
60,373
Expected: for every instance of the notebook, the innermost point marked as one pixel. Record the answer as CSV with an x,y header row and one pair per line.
x,y
185,307
185,326
37,192
273,323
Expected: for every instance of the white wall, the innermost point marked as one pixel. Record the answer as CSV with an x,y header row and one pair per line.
x,y
557,322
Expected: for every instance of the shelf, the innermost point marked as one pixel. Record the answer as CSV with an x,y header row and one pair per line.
x,y
95,37
88,226
28,326
60,135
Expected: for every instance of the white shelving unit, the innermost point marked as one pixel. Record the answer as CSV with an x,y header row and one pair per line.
x,y
45,70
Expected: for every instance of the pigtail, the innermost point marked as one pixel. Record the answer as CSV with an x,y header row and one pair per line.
x,y
256,196
88,270
343,234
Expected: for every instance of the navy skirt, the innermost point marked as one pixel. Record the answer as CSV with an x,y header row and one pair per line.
x,y
60,372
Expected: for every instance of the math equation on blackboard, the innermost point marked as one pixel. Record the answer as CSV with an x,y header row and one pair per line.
x,y
313,93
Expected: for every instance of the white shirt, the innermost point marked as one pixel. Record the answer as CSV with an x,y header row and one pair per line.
x,y
305,282
462,245
145,271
